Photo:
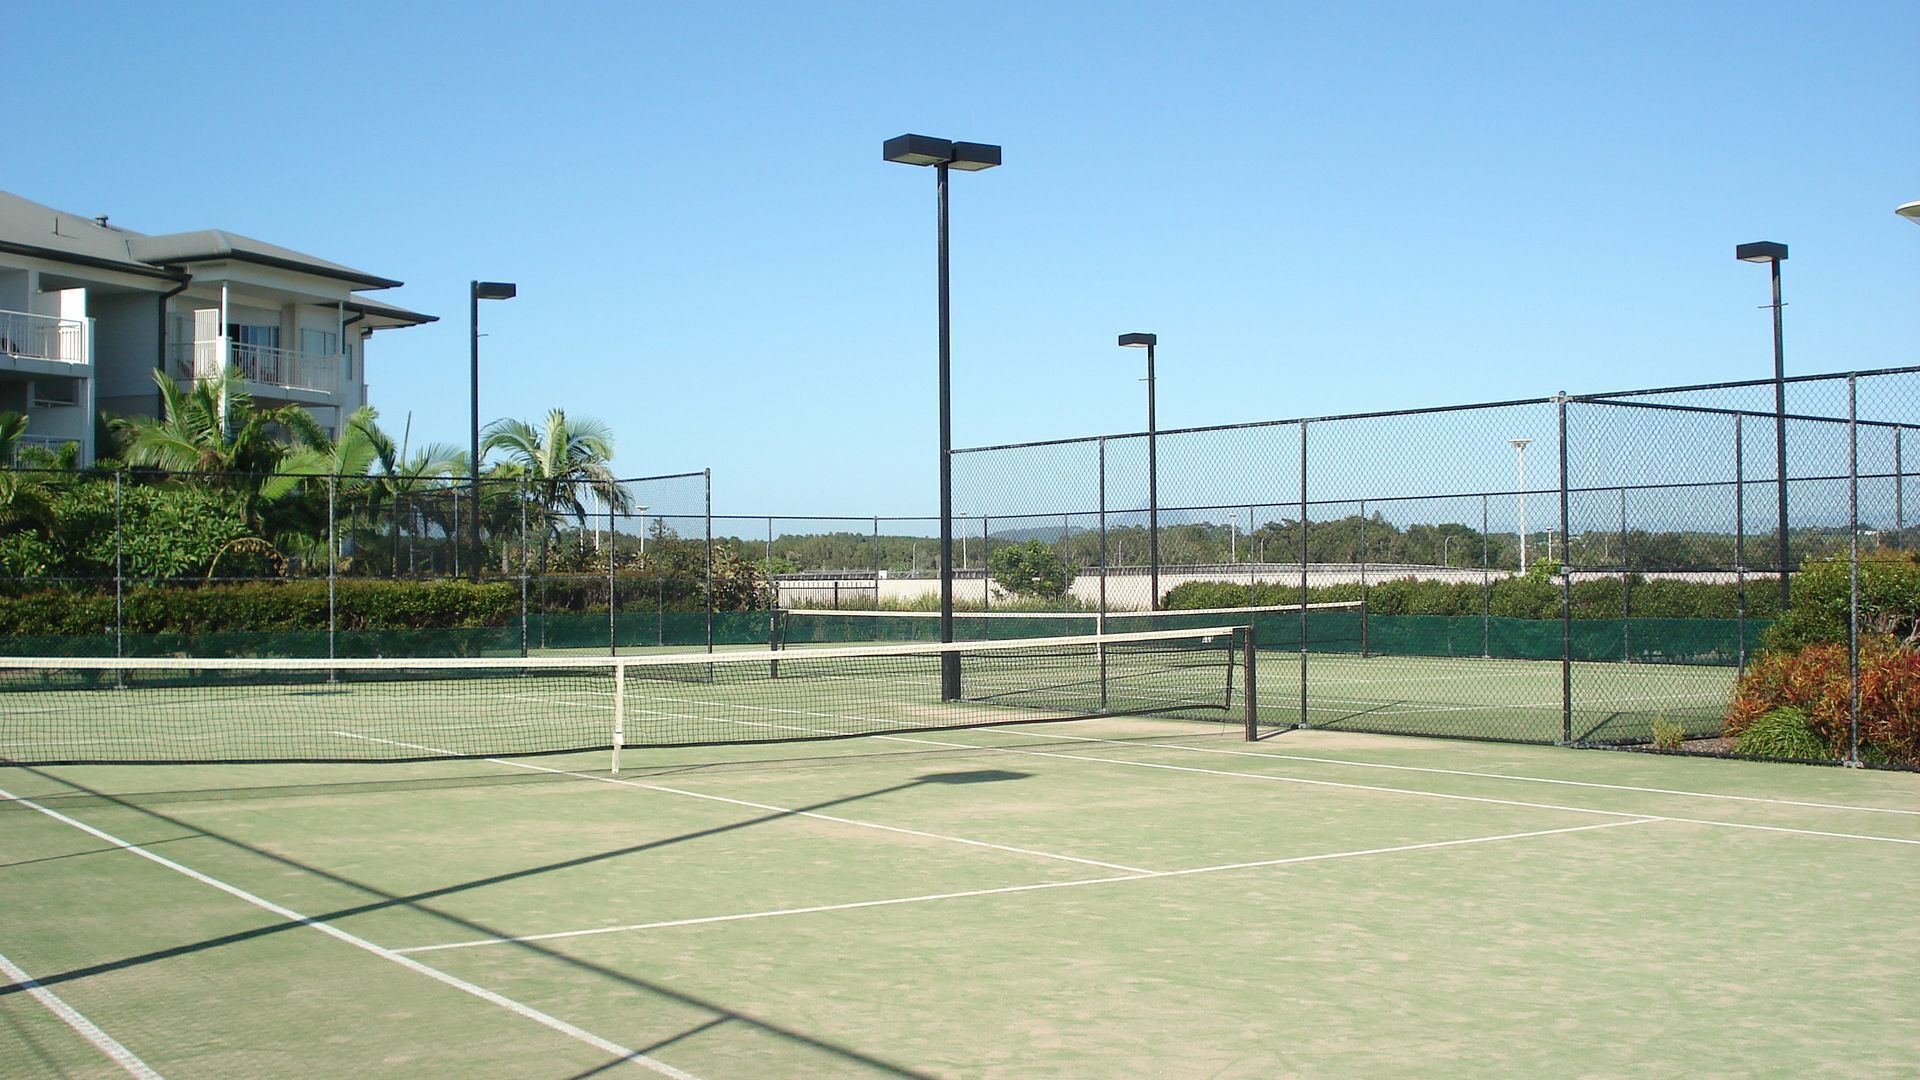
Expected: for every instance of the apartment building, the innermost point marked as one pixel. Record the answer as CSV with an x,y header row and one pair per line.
x,y
88,311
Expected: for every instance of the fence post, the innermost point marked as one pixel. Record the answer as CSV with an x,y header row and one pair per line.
x,y
1853,578
1626,581
477,554
709,482
773,594
1566,591
1303,573
986,578
1740,535
119,580
613,589
333,548
1100,618
1253,572
1899,485
1486,583
1363,579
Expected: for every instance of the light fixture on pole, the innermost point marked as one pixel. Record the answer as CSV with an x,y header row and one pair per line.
x,y
476,292
1766,251
1520,445
1910,211
943,154
1148,342
642,511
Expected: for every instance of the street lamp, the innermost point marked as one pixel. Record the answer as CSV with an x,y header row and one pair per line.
x,y
642,511
1147,342
1766,251
1911,211
943,154
476,292
1520,445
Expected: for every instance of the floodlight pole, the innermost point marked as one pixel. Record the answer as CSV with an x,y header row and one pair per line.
x,y
1773,255
1148,342
476,292
972,157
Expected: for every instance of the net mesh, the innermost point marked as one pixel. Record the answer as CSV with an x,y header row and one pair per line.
x,y
257,710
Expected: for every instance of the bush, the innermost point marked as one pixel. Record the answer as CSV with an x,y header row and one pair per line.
x,y
1030,569
1784,732
1889,602
1668,735
265,606
1815,681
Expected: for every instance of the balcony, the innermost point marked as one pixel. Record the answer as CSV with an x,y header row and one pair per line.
x,y
42,340
284,369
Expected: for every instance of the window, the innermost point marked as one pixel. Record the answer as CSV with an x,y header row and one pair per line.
x,y
266,337
319,342
347,351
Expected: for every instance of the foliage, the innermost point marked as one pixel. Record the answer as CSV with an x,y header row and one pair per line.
x,y
1531,597
1815,680
265,606
1889,601
1667,734
1030,569
561,460
1784,732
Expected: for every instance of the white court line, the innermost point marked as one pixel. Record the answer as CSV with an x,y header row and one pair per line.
x,y
1353,787
1005,889
596,777
1477,775
529,1012
86,1028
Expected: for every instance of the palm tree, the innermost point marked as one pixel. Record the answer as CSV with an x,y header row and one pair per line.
x,y
561,461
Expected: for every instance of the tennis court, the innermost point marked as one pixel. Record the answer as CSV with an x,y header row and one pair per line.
x,y
1112,895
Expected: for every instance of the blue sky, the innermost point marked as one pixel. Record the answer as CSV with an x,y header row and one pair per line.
x,y
1319,209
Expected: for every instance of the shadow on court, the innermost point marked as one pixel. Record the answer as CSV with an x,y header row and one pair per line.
x,y
420,902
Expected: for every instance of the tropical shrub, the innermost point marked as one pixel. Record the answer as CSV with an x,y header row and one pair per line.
x,y
1815,681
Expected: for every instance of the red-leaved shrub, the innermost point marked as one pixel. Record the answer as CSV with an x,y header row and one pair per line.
x,y
1814,680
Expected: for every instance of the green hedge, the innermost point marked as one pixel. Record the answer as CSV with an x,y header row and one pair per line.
x,y
265,607
1531,597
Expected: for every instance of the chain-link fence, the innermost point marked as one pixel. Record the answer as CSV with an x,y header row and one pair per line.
x,y
1597,570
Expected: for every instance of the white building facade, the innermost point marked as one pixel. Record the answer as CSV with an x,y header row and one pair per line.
x,y
89,310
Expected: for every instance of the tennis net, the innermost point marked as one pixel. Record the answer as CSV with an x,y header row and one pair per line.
x,y
99,710
1276,626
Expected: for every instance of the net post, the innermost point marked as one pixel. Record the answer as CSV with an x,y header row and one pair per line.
x,y
619,713
1250,703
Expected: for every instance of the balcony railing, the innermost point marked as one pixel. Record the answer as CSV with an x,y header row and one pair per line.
x,y
286,368
27,336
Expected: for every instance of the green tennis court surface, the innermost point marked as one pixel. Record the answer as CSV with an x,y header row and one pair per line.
x,y
1103,898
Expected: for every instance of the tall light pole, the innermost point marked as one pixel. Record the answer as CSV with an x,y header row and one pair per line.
x,y
642,511
1147,342
1766,251
476,292
943,154
1520,446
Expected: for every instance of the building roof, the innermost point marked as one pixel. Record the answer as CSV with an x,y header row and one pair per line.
x,y
205,245
28,228
385,315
